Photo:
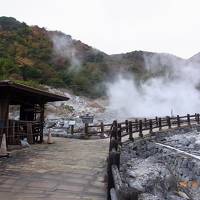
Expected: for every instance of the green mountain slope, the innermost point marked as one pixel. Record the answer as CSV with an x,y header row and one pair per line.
x,y
34,56
27,55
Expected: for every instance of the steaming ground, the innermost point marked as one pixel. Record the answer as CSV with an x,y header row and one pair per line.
x,y
175,93
171,90
171,86
79,105
154,98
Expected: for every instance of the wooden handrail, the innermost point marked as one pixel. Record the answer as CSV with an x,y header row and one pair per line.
x,y
138,126
128,128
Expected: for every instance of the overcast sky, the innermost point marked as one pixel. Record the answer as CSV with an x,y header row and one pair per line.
x,y
116,26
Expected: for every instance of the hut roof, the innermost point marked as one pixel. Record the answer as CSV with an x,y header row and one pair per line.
x,y
18,93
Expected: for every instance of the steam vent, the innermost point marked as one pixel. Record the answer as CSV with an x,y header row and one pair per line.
x,y
164,166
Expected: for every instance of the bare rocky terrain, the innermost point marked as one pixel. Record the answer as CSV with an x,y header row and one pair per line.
x,y
165,166
78,106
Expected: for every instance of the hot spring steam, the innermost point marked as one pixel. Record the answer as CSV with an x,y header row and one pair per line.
x,y
176,91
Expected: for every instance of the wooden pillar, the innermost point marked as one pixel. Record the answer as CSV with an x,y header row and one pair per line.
x,y
197,118
145,122
4,111
168,122
119,133
130,129
160,123
102,129
126,123
178,121
72,129
150,126
115,128
136,124
86,129
114,136
140,128
13,132
157,121
188,119
41,121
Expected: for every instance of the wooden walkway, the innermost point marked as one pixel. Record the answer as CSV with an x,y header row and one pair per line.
x,y
69,169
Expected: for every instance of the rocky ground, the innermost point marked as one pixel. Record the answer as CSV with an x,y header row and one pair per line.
x,y
78,106
165,166
72,110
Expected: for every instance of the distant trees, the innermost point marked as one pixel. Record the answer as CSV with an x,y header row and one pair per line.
x,y
7,67
26,55
10,23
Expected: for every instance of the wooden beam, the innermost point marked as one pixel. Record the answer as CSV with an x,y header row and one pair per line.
x,y
4,111
41,121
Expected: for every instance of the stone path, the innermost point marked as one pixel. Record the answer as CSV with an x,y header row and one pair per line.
x,y
69,169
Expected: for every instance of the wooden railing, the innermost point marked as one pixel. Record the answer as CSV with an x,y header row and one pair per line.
x,y
129,131
139,127
17,130
97,129
131,127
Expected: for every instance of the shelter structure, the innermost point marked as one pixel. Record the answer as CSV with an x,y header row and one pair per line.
x,y
31,104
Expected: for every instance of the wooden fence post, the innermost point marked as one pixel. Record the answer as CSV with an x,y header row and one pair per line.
x,y
119,133
168,121
178,121
188,119
145,122
150,126
197,118
102,129
126,122
136,124
130,129
72,129
115,129
113,136
113,144
160,124
140,128
86,129
157,121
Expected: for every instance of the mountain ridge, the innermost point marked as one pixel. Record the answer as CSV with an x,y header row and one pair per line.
x,y
34,55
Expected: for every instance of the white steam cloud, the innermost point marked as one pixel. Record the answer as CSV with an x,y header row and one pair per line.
x,y
175,91
63,47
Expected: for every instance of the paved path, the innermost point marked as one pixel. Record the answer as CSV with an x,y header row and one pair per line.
x,y
69,169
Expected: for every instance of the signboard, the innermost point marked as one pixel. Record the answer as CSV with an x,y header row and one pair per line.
x,y
72,122
66,124
87,119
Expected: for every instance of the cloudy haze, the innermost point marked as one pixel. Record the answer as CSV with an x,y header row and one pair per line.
x,y
116,26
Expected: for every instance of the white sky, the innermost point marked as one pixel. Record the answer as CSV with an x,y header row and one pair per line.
x,y
116,26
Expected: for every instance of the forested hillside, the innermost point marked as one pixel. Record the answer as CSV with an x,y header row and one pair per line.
x,y
34,56
27,55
